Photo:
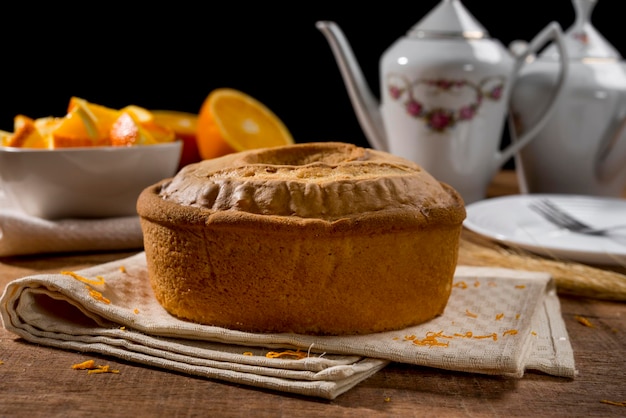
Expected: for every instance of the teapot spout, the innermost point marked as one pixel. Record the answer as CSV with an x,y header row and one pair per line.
x,y
365,105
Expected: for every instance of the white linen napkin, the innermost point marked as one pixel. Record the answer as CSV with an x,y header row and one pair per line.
x,y
497,322
23,234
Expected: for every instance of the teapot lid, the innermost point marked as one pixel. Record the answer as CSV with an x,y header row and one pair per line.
x,y
582,40
449,19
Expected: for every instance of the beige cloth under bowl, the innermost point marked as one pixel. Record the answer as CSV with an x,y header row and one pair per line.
x,y
22,234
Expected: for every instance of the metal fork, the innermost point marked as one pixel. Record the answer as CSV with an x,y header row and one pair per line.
x,y
559,217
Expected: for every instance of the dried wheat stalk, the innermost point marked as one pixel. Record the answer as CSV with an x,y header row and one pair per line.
x,y
571,278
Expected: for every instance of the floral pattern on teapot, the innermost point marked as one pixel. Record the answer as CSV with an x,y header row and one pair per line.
x,y
442,118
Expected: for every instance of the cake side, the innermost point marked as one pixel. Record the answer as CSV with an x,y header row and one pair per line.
x,y
324,284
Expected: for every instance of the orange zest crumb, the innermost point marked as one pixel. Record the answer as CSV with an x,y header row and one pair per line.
x,y
470,314
461,284
248,353
123,269
431,339
1,362
476,283
493,336
387,399
616,403
91,367
583,321
517,316
520,286
499,316
136,311
533,333
89,364
102,369
97,295
299,355
123,328
99,279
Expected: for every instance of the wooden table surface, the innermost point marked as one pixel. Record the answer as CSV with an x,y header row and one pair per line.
x,y
38,381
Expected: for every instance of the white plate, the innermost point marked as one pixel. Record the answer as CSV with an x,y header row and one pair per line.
x,y
508,219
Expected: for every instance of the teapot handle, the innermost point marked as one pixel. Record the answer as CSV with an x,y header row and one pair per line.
x,y
551,32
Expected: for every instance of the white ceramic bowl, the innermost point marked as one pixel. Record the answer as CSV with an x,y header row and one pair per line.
x,y
90,182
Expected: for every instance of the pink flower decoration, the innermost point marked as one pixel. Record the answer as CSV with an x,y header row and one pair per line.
x,y
414,108
496,93
439,120
395,92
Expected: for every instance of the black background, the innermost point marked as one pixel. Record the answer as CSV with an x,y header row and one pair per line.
x,y
170,55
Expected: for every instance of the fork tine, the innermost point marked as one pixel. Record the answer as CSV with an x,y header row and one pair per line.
x,y
545,212
554,214
566,217
557,216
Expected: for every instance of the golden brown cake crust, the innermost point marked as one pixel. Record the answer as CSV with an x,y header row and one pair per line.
x,y
322,238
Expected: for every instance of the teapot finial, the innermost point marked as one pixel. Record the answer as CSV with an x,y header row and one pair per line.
x,y
582,39
449,19
583,9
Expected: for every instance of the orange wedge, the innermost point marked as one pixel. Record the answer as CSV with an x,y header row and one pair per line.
x,y
5,138
185,126
230,121
86,124
127,130
26,133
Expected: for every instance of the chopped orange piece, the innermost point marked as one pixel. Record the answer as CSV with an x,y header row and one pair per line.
x,y
26,134
184,126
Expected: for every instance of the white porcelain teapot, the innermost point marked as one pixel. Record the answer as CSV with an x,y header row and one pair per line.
x,y
445,91
582,147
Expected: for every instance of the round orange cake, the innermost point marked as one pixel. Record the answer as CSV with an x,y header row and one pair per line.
x,y
320,238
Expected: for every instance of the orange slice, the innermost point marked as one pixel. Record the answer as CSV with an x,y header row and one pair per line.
x,y
137,126
26,133
86,124
127,131
230,121
185,126
142,115
5,137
